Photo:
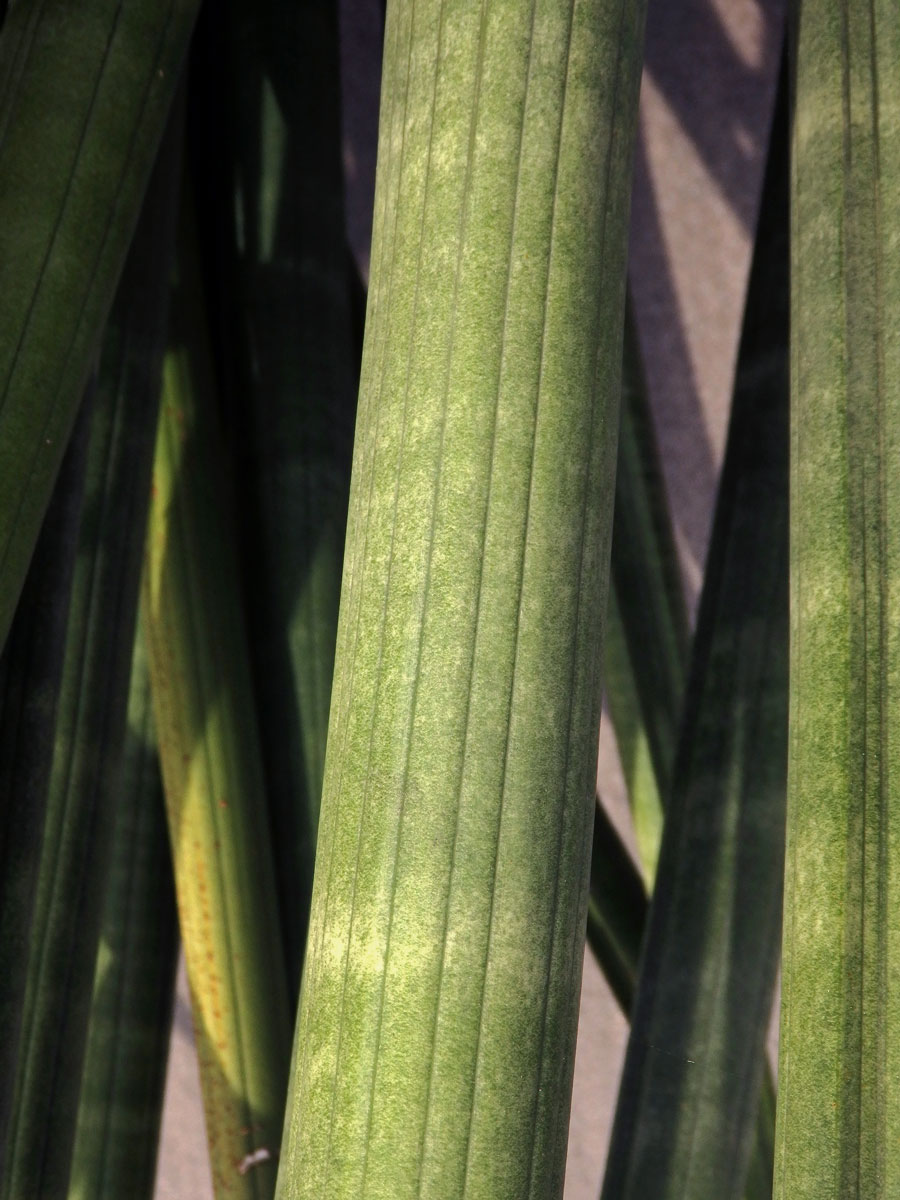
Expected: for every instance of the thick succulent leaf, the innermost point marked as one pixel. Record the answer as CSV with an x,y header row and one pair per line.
x,y
30,670
272,197
435,1044
91,713
120,1103
839,1078
212,772
84,94
695,1062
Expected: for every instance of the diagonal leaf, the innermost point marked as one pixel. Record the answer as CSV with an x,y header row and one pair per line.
x,y
434,1047
839,1084
689,1096
84,94
212,772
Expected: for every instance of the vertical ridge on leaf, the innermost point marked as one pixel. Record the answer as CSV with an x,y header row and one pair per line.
x,y
839,1103
434,1048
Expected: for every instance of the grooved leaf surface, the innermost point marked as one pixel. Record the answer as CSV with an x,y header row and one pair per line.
x,y
434,1049
839,1080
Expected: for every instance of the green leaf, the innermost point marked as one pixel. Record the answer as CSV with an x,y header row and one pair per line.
x,y
647,639
617,910
120,1104
695,1062
91,714
435,1044
839,1086
84,94
30,670
270,147
212,772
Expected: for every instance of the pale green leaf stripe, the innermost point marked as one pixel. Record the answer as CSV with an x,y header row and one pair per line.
x,y
838,1129
689,1096
212,774
434,1048
120,1102
84,93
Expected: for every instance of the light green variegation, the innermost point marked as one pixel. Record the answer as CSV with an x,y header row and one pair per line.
x,y
839,1080
434,1049
212,773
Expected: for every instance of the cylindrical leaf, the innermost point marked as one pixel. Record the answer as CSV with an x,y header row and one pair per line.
x,y
839,1079
434,1049
617,910
31,666
647,637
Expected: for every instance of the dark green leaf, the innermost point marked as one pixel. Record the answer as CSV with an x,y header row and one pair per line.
x,y
91,714
85,90
120,1104
689,1097
269,152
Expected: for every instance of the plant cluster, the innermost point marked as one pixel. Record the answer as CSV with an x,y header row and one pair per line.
x,y
305,584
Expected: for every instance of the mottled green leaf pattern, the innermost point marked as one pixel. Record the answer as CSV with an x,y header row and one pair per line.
x,y
434,1049
839,1078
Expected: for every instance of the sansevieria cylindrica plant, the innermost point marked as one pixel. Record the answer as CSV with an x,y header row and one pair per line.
x,y
433,1052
